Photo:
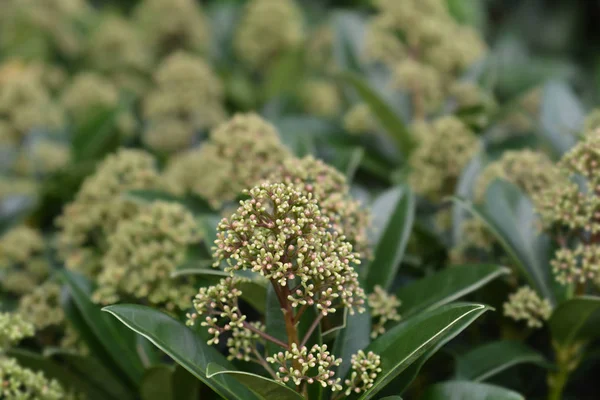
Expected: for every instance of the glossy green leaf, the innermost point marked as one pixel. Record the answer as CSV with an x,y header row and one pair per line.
x,y
148,354
570,321
181,344
390,120
561,116
459,390
157,383
485,361
263,387
394,237
445,286
405,343
275,324
353,337
71,379
510,217
117,342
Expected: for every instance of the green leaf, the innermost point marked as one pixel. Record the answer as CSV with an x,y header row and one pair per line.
x,y
469,12
195,204
392,242
275,324
98,135
284,76
510,217
405,343
445,286
93,373
263,387
483,362
349,31
68,379
117,342
185,385
147,352
353,337
181,344
458,390
387,117
561,116
570,321
157,383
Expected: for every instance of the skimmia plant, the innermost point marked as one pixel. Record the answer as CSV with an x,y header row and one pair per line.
x,y
287,199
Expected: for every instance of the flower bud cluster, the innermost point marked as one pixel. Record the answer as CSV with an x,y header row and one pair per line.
x,y
365,369
267,29
90,93
321,97
243,341
526,305
578,265
188,98
170,25
117,49
424,46
445,147
531,171
240,153
42,306
143,252
219,305
18,383
331,190
384,308
570,208
26,103
40,157
359,119
23,263
100,205
281,234
301,364
13,328
475,237
53,25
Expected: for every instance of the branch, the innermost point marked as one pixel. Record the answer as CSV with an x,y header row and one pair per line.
x,y
311,329
265,335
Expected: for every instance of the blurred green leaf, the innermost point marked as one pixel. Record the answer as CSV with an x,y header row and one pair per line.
x,y
390,120
405,343
562,116
285,75
185,385
483,362
117,342
510,217
569,321
92,371
459,390
69,379
349,28
157,383
195,204
98,135
264,388
445,286
181,344
468,12
393,239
